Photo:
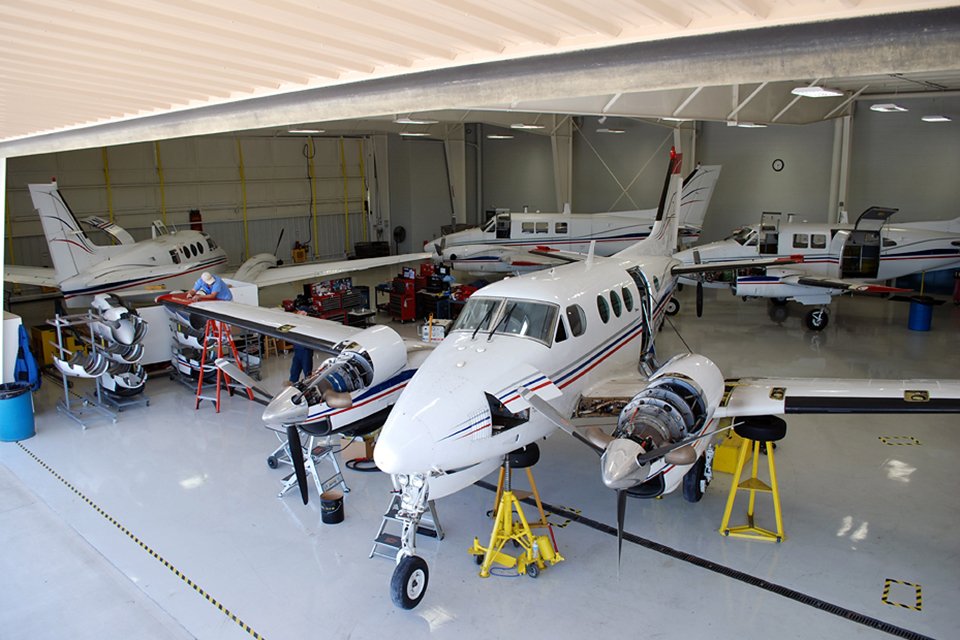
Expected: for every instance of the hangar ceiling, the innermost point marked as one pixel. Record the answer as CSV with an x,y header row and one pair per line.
x,y
83,73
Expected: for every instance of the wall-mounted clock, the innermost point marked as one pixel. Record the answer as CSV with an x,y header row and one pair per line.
x,y
778,165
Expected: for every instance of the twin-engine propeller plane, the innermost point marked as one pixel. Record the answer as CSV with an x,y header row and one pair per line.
x,y
526,352
837,258
170,260
524,242
349,394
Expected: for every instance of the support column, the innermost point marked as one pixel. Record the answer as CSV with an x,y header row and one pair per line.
x,y
455,149
378,180
561,141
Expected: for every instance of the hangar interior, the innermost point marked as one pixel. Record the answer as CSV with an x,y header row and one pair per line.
x,y
166,524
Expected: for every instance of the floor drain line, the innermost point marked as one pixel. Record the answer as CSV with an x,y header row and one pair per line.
x,y
821,605
193,585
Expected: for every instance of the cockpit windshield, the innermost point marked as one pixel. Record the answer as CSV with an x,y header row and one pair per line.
x,y
746,236
523,318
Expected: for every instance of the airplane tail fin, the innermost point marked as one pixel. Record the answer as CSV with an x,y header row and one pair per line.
x,y
70,249
663,238
696,195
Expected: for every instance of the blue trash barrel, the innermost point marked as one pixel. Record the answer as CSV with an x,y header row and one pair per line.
x,y
921,313
16,412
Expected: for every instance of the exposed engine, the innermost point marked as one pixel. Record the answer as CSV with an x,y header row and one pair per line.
x,y
675,405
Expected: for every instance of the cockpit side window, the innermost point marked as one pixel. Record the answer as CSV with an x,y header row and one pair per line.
x,y
577,319
746,237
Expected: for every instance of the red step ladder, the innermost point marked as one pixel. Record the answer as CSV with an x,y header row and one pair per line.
x,y
217,333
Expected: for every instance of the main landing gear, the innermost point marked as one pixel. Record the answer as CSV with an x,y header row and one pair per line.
x,y
817,319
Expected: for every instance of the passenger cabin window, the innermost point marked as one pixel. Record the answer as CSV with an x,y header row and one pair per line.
x,y
526,227
186,252
522,318
603,308
560,227
818,241
801,241
543,227
627,298
616,304
577,319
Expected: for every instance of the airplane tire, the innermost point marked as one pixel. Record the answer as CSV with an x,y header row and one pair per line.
x,y
673,307
817,319
778,313
409,582
695,481
778,301
272,462
762,428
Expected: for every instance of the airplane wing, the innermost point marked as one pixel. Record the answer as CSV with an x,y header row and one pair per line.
x,y
39,276
316,333
732,265
842,285
296,272
773,396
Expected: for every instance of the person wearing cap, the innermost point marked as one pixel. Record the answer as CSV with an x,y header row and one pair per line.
x,y
210,287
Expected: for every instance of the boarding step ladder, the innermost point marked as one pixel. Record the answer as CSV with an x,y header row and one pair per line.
x,y
317,450
217,334
386,544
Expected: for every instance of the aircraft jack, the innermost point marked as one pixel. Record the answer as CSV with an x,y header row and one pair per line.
x,y
537,552
752,440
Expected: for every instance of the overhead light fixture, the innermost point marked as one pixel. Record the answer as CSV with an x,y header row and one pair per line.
x,y
609,130
305,131
935,119
672,119
415,134
816,92
887,107
523,125
410,120
499,136
745,125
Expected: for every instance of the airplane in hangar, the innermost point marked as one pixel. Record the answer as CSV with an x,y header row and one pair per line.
x,y
168,261
524,242
527,352
837,258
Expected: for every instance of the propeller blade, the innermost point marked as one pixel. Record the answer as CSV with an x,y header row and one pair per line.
x,y
621,512
559,419
700,298
231,369
296,456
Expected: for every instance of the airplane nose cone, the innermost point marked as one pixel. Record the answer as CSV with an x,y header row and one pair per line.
x,y
290,407
618,465
125,332
399,454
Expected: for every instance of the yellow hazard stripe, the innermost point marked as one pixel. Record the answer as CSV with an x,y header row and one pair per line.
x,y
885,598
144,546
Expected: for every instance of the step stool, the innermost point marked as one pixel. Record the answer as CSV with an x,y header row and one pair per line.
x,y
756,432
313,455
386,544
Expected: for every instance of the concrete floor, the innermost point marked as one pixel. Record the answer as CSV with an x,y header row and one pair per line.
x,y
166,524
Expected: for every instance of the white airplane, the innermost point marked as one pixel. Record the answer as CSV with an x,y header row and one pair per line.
x,y
525,352
524,242
349,394
837,258
169,261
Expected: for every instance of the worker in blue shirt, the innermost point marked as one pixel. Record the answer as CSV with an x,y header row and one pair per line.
x,y
302,361
210,287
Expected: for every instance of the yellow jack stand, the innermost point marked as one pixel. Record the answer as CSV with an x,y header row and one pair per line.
x,y
753,485
537,550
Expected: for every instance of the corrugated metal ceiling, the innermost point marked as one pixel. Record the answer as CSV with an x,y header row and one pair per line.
x,y
71,63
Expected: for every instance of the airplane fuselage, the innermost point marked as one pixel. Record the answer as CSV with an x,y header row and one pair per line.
x,y
556,333
830,251
170,262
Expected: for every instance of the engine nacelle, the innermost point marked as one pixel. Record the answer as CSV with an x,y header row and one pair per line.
x,y
676,403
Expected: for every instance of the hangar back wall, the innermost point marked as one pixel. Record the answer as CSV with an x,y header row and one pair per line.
x,y
896,160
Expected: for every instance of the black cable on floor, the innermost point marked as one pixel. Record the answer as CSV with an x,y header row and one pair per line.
x,y
816,603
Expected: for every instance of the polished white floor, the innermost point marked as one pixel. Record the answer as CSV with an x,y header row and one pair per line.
x,y
82,513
